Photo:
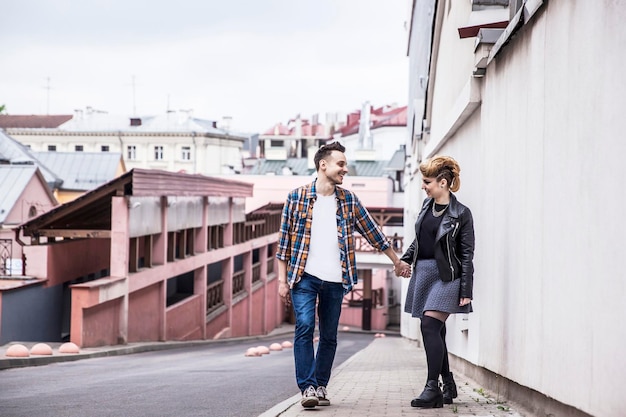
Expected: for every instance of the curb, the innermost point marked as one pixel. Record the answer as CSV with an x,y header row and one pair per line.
x,y
9,363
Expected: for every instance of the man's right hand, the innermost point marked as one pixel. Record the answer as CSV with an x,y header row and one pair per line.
x,y
402,269
283,291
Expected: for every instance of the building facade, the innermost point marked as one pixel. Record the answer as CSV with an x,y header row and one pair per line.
x,y
533,114
149,256
175,141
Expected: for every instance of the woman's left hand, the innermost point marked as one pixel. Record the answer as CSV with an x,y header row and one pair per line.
x,y
465,301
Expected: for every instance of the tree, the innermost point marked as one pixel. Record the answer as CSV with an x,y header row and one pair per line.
x,y
3,108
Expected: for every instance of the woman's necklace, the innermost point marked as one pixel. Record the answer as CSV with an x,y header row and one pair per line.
x,y
438,213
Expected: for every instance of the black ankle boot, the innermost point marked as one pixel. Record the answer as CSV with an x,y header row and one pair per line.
x,y
449,389
431,397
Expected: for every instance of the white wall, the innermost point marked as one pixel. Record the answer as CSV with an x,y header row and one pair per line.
x,y
209,156
387,141
541,167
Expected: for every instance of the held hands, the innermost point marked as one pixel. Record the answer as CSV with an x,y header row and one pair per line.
x,y
402,269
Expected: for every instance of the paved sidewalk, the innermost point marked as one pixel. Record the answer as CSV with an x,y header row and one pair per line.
x,y
382,379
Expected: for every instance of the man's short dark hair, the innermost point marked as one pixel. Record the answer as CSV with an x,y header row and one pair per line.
x,y
325,151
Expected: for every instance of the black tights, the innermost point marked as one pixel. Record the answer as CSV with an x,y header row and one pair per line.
x,y
434,338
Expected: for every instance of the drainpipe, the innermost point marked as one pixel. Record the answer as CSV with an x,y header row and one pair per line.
x,y
22,244
17,237
119,137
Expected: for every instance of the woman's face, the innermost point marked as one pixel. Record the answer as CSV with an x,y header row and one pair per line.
x,y
434,188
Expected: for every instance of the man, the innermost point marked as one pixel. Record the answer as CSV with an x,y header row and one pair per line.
x,y
316,264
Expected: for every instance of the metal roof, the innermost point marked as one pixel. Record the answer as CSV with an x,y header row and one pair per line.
x,y
300,166
13,181
368,168
81,171
14,153
396,163
297,166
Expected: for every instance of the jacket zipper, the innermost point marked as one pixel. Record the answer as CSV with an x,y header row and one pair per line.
x,y
456,227
449,255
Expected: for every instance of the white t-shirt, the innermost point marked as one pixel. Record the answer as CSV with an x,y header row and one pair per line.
x,y
324,260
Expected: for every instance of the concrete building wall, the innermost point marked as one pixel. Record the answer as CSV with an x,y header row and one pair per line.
x,y
30,313
141,304
539,159
88,256
386,141
207,155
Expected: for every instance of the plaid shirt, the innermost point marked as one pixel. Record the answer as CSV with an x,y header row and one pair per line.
x,y
295,232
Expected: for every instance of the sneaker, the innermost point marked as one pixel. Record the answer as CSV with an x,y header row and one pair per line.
x,y
321,396
309,398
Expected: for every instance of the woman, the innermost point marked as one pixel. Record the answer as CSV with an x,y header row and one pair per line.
x,y
441,283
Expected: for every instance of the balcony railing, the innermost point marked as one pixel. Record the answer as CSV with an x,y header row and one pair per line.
x,y
270,265
362,245
214,296
238,282
355,298
6,255
256,272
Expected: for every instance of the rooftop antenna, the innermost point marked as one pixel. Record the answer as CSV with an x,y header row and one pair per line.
x,y
134,102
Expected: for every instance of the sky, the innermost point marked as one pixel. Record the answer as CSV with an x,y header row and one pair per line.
x,y
258,62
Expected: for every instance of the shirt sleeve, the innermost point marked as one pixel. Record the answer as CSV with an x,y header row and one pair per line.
x,y
368,228
282,252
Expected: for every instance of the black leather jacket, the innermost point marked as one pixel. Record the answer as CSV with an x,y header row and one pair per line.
x,y
454,244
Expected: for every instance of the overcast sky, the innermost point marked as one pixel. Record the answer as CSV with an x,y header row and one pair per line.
x,y
257,61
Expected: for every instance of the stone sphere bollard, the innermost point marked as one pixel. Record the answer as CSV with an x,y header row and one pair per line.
x,y
287,344
252,352
41,349
276,346
17,351
263,350
68,347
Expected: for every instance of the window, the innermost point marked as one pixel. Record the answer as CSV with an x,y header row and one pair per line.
x,y
131,152
277,143
185,153
78,148
52,148
104,148
158,153
32,212
179,288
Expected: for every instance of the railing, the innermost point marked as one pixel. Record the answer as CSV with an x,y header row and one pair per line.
x,y
270,265
215,238
355,298
214,296
6,254
238,282
362,245
256,272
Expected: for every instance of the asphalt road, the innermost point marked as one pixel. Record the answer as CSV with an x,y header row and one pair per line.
x,y
212,380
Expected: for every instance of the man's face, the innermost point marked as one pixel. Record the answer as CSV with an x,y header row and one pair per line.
x,y
334,167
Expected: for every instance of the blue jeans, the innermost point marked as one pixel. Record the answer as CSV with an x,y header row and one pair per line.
x,y
314,369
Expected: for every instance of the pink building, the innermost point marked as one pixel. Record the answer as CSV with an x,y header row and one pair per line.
x,y
374,304
153,256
